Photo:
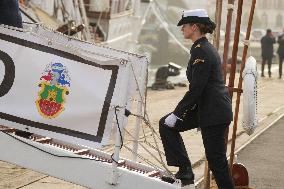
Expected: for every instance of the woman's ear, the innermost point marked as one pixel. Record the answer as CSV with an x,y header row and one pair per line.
x,y
194,27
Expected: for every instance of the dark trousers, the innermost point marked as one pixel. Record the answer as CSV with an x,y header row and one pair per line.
x,y
214,144
269,61
10,14
175,150
281,58
215,151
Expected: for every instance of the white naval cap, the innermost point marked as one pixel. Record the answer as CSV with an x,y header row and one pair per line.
x,y
195,12
196,16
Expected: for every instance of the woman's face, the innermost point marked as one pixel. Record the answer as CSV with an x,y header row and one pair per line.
x,y
188,30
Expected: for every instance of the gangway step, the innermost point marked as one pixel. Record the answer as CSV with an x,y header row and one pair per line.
x,y
44,140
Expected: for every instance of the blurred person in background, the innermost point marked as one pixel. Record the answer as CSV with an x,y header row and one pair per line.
x,y
280,52
267,42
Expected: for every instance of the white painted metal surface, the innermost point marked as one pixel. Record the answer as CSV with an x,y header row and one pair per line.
x,y
58,93
88,173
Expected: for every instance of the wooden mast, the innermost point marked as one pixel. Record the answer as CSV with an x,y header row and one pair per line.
x,y
241,82
216,42
235,47
218,20
233,68
227,37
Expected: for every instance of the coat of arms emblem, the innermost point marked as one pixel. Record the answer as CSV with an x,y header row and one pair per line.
x,y
54,85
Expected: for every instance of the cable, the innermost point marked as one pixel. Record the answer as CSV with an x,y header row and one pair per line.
x,y
146,119
120,133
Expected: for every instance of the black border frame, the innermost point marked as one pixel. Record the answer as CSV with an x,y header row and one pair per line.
x,y
57,129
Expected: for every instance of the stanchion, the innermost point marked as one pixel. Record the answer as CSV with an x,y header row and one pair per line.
x,y
216,42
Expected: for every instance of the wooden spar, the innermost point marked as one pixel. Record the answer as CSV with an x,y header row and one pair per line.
x,y
206,181
227,37
85,20
226,50
216,42
241,82
218,15
235,47
234,56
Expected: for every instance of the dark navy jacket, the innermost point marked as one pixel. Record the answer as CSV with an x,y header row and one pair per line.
x,y
280,41
10,14
267,46
207,91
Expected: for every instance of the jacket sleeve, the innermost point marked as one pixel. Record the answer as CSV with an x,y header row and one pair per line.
x,y
200,73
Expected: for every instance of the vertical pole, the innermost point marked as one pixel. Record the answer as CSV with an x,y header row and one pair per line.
x,y
137,130
206,182
136,8
218,20
235,46
124,80
141,87
227,37
85,20
234,57
240,83
226,50
216,42
118,142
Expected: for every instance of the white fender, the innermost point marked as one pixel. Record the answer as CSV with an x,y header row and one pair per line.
x,y
250,96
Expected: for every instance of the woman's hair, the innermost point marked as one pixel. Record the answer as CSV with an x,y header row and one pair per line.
x,y
205,28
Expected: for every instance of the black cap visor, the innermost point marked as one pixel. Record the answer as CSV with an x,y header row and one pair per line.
x,y
194,19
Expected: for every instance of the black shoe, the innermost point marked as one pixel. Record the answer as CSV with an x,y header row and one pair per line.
x,y
186,175
185,182
262,75
168,179
279,77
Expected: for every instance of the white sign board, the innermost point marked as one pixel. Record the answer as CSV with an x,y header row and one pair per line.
x,y
47,90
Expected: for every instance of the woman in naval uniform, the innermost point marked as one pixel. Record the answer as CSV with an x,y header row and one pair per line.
x,y
206,105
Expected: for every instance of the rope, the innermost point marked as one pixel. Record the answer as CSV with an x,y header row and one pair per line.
x,y
145,160
145,14
165,26
230,6
246,42
147,121
145,118
159,161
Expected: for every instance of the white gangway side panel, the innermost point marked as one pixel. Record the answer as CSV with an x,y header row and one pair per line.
x,y
51,91
88,173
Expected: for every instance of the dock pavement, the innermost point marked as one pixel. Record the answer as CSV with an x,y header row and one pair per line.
x,y
263,158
